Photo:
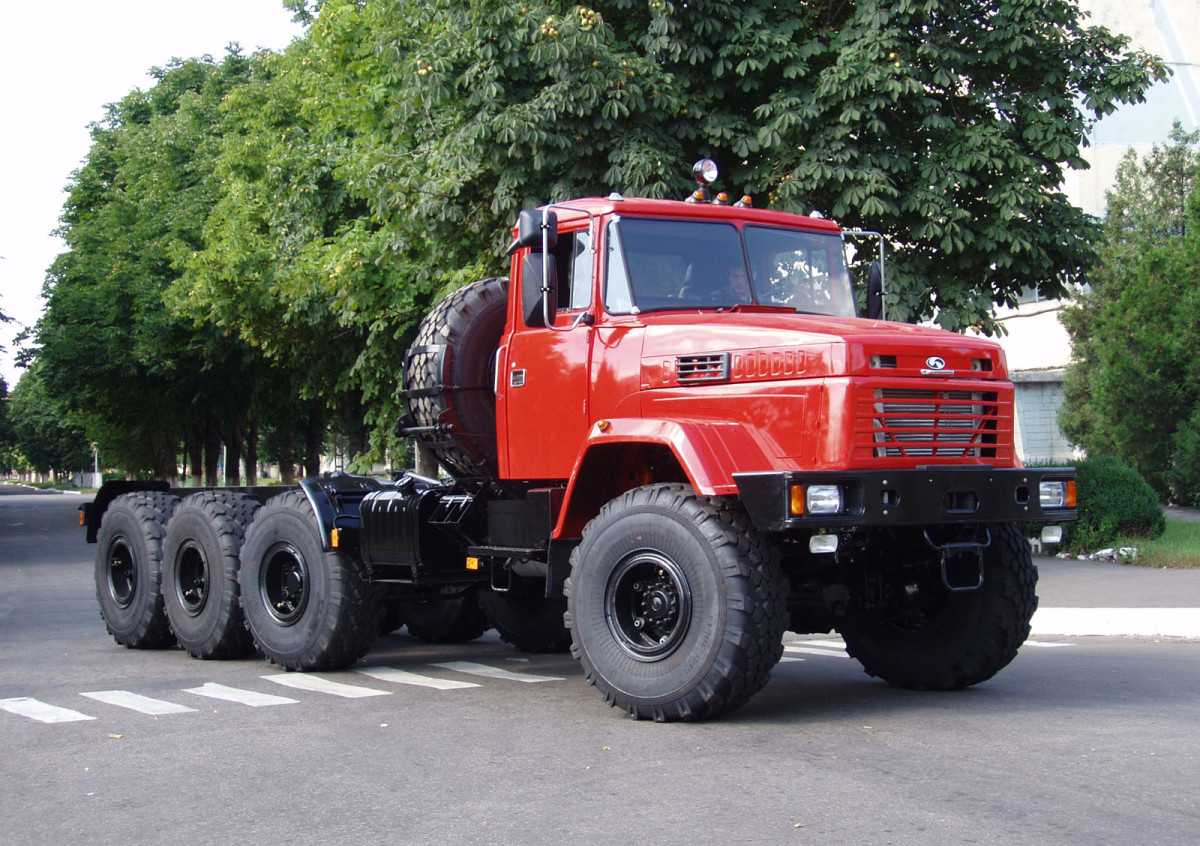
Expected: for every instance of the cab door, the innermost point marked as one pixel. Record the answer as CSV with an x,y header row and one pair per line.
x,y
543,382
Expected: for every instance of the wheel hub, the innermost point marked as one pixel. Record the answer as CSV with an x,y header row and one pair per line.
x,y
122,573
283,584
647,605
191,578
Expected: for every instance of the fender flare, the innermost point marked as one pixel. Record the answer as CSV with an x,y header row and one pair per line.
x,y
705,450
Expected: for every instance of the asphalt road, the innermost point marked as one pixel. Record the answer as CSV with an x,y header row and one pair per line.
x,y
1082,740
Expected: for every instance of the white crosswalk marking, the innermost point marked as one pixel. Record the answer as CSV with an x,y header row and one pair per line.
x,y
316,684
23,706
243,697
391,674
1044,645
804,650
137,702
831,644
787,659
471,668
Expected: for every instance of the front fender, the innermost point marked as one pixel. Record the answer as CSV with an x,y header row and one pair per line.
x,y
707,452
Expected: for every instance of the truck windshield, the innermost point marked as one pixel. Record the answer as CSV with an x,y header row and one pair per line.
x,y
657,265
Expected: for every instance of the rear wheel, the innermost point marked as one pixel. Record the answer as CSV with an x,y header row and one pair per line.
x,y
128,569
675,607
200,574
306,608
935,639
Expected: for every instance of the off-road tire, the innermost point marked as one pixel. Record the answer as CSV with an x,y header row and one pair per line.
x,y
973,635
200,574
306,608
128,569
712,601
449,377
530,623
458,619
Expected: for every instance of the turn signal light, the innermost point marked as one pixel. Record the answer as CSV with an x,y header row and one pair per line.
x,y
472,562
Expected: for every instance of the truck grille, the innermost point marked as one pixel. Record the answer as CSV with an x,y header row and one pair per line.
x,y
919,423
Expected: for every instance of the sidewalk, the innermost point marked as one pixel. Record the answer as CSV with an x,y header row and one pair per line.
x,y
1080,598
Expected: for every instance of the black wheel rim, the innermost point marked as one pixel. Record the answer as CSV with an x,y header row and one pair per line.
x,y
648,605
283,584
122,572
191,578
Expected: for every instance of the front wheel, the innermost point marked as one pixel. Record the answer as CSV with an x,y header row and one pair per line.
x,y
675,606
307,608
530,622
453,615
930,638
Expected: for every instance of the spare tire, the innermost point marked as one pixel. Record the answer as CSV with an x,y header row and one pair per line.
x,y
449,378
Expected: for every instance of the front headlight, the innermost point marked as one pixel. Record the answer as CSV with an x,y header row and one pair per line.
x,y
1057,494
824,499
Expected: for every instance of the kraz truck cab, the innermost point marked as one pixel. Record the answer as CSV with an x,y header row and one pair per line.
x,y
668,439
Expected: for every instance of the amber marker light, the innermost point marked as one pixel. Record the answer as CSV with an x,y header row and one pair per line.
x,y
1071,498
472,562
797,501
603,425
335,538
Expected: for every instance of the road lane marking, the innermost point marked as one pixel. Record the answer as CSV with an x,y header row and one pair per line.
x,y
137,702
1117,622
23,706
242,697
804,650
391,674
831,644
316,684
471,668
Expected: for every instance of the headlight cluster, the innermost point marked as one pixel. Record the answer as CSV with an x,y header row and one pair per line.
x,y
1057,494
816,499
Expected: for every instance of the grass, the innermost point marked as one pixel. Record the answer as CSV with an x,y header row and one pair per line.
x,y
1178,548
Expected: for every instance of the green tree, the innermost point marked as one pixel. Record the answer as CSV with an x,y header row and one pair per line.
x,y
384,157
8,440
1134,386
45,436
143,381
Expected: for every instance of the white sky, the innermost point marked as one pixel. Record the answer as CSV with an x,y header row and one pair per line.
x,y
61,61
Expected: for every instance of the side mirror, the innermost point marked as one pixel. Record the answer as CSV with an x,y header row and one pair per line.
x,y
874,309
533,307
529,231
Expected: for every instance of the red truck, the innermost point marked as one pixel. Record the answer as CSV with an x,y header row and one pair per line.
x,y
667,441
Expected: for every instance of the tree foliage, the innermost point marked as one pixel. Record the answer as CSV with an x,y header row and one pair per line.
x,y
1134,386
144,381
43,437
340,186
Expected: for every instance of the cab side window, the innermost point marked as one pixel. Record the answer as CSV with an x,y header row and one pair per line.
x,y
573,257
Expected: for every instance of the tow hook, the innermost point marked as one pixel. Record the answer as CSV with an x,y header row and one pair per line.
x,y
961,562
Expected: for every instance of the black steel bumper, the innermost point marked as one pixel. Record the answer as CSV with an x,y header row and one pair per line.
x,y
926,497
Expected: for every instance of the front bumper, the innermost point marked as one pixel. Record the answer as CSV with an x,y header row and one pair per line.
x,y
921,497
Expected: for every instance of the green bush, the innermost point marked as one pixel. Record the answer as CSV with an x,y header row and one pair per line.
x,y
1183,474
1114,501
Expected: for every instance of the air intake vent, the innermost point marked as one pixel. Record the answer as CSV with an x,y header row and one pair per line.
x,y
701,369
